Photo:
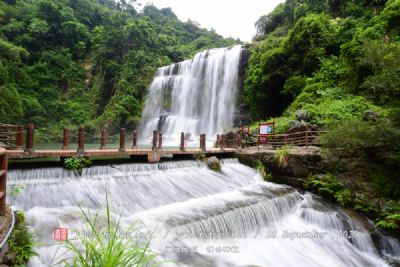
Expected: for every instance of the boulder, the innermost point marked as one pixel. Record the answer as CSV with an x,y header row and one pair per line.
x,y
302,115
213,164
371,115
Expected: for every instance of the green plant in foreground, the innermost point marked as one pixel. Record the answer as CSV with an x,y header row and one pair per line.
x,y
77,163
21,241
282,156
105,246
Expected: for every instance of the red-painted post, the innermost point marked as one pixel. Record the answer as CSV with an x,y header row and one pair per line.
x,y
160,141
30,132
19,137
222,141
3,181
103,141
81,140
122,135
204,142
134,140
182,146
65,139
154,140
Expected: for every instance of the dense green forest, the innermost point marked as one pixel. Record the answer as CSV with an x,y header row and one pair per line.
x,y
340,61
73,62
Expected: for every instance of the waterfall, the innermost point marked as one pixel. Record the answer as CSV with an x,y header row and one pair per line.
x,y
195,96
200,217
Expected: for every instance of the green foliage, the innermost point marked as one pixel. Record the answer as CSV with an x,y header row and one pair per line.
x,y
263,171
77,163
68,63
330,187
105,246
361,138
21,241
390,218
282,156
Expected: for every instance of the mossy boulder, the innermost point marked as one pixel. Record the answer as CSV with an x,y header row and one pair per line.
x,y
214,164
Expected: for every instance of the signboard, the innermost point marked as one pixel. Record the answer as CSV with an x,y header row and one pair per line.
x,y
245,129
266,129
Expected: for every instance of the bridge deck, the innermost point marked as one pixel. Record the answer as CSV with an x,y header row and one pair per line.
x,y
155,155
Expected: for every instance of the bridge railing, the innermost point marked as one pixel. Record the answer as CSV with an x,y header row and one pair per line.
x,y
304,138
80,138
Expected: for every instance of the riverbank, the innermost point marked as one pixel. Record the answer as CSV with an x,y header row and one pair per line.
x,y
346,184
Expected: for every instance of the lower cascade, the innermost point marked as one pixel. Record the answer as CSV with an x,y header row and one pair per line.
x,y
195,96
198,217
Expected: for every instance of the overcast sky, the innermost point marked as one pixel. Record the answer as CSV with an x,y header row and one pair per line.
x,y
230,18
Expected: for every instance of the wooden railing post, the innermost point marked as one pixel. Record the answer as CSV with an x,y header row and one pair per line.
x,y
134,139
19,137
182,146
122,134
30,132
81,140
154,147
203,142
217,143
103,140
160,141
3,181
222,141
65,139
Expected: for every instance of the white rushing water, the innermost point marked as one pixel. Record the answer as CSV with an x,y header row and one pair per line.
x,y
195,96
202,218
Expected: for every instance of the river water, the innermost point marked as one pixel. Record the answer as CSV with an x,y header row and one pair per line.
x,y
199,217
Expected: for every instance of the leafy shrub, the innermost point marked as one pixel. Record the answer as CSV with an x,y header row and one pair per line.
x,y
77,163
21,241
330,187
390,218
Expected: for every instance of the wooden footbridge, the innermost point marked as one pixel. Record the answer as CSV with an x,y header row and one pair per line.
x,y
14,147
21,150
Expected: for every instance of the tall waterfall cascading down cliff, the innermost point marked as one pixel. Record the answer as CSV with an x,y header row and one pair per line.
x,y
201,218
195,96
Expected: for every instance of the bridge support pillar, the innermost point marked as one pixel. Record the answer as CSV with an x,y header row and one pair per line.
x,y
153,157
30,131
65,139
122,134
